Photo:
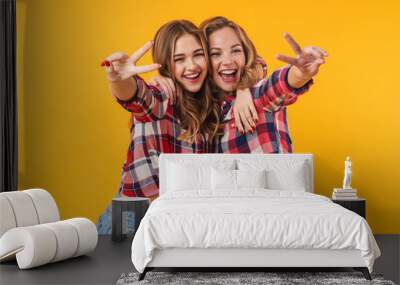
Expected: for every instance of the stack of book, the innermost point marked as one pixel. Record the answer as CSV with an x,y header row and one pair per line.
x,y
344,194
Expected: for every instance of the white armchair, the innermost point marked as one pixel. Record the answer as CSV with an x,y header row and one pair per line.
x,y
31,230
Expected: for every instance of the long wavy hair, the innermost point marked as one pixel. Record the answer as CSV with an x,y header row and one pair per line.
x,y
252,71
198,113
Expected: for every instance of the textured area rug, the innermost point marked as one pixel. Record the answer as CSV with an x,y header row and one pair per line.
x,y
243,278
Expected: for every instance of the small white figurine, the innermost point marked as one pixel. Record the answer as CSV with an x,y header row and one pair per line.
x,y
347,174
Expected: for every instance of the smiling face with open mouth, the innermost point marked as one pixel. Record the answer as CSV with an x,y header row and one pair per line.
x,y
190,65
227,58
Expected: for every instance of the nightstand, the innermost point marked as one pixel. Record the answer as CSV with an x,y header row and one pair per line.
x,y
357,205
120,207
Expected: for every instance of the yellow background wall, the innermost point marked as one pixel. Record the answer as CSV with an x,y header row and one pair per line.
x,y
74,137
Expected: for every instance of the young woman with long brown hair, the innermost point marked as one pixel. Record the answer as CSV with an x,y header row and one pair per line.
x,y
234,65
184,122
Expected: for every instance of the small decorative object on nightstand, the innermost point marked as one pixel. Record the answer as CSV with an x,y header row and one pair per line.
x,y
347,173
120,208
347,192
357,205
347,196
344,194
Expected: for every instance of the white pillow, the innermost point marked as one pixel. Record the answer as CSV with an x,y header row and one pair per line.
x,y
183,177
235,179
223,179
281,175
251,178
291,179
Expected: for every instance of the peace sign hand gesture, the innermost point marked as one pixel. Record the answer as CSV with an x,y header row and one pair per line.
x,y
120,66
307,60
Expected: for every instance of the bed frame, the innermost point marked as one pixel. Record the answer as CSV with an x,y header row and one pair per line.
x,y
246,259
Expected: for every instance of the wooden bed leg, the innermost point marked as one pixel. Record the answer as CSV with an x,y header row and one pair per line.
x,y
364,271
143,274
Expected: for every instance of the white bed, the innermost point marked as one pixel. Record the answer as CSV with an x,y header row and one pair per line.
x,y
203,219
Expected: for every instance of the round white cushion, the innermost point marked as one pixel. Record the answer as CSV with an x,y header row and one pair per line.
x,y
26,208
7,218
46,207
67,239
87,234
24,211
40,244
33,246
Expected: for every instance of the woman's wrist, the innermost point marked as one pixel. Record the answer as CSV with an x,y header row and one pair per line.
x,y
296,79
123,89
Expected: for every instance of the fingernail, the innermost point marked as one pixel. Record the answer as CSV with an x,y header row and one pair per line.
x,y
107,63
102,63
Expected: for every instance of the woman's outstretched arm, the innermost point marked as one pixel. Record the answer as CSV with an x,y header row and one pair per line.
x,y
131,91
121,68
284,85
306,64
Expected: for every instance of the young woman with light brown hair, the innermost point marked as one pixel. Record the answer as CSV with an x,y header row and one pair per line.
x,y
187,121
235,64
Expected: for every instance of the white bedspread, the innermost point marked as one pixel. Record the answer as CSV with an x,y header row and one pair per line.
x,y
251,218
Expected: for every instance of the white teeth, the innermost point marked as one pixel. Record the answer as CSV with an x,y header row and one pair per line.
x,y
228,72
191,76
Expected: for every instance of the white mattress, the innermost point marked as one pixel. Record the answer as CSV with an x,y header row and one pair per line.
x,y
252,218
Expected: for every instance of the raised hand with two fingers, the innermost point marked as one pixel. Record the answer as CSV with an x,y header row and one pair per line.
x,y
307,61
120,66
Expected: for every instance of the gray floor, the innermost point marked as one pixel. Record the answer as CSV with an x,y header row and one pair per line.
x,y
103,266
110,260
389,262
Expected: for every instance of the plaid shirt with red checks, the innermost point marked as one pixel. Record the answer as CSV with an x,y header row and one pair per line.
x,y
155,130
272,132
